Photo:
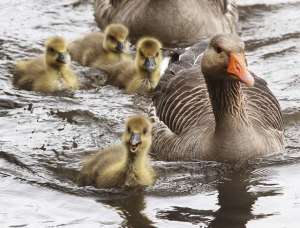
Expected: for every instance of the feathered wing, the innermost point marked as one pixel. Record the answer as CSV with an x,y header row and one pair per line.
x,y
115,3
230,11
262,106
224,5
183,113
102,9
170,21
108,11
183,101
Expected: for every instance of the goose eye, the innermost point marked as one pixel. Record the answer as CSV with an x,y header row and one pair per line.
x,y
218,50
141,53
112,38
145,131
50,49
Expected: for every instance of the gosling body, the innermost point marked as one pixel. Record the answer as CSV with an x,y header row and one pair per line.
x,y
143,74
123,165
48,73
99,49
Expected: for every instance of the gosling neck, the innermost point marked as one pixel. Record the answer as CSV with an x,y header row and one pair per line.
x,y
109,51
148,75
228,103
138,156
58,70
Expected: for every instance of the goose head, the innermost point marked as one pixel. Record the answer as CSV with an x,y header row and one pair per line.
x,y
115,38
149,56
224,59
137,136
56,54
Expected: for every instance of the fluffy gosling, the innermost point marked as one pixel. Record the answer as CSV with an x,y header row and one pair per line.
x,y
48,73
123,165
143,74
99,49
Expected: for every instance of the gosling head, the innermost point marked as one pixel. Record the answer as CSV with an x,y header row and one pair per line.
x,y
56,53
148,55
137,136
115,38
224,59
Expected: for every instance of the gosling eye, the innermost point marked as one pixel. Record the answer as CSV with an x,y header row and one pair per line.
x,y
51,50
145,131
218,49
112,38
157,54
142,54
128,129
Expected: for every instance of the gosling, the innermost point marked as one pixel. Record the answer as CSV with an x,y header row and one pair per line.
x,y
141,75
123,165
48,73
99,49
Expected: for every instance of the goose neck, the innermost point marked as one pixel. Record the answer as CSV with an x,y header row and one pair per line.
x,y
228,103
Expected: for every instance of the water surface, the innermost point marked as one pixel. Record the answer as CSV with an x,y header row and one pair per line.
x,y
43,138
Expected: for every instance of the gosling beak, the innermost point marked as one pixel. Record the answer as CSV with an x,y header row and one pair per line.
x,y
120,47
62,58
150,64
134,141
237,67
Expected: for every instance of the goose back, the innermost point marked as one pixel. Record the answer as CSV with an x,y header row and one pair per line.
x,y
173,22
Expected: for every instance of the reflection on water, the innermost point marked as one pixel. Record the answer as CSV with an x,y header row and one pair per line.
x,y
235,202
43,138
131,209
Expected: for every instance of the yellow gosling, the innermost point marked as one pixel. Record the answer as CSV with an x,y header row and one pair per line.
x,y
143,74
99,49
48,73
124,165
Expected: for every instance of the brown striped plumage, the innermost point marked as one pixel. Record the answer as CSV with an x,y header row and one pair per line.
x,y
245,121
173,22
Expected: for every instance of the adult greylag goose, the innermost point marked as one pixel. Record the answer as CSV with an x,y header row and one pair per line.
x,y
173,22
222,113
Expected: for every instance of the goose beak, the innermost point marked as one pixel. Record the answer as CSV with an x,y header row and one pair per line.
x,y
134,141
120,47
63,58
237,67
150,64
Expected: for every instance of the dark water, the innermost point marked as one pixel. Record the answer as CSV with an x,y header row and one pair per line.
x,y
44,137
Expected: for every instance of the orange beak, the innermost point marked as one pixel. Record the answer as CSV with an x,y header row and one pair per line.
x,y
238,69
